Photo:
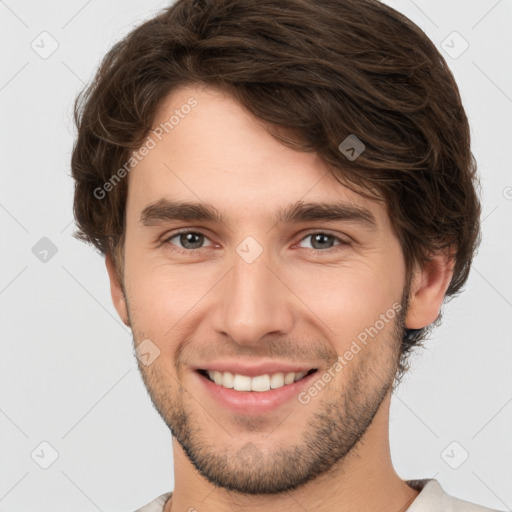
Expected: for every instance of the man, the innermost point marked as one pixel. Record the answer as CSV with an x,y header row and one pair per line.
x,y
221,145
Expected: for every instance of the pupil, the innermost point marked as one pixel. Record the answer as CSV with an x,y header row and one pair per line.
x,y
319,237
187,238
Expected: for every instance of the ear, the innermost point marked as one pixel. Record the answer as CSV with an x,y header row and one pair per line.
x,y
428,288
116,290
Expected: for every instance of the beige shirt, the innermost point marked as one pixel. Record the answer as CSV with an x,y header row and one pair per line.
x,y
431,498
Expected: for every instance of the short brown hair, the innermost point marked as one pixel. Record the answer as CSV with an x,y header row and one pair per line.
x,y
315,72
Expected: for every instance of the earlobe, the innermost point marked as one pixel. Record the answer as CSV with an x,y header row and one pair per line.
x,y
116,290
428,289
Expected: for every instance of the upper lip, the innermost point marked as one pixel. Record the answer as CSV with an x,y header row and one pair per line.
x,y
254,369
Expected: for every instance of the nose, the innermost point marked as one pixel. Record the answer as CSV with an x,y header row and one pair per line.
x,y
253,302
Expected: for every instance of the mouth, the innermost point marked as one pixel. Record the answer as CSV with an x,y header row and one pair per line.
x,y
253,390
259,383
254,396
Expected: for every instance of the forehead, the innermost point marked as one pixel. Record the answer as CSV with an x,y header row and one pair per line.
x,y
207,148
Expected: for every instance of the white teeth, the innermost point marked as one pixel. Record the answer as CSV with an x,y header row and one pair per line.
x,y
299,376
277,380
289,378
228,379
241,383
259,383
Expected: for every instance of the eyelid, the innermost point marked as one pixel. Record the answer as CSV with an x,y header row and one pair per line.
x,y
342,241
336,235
173,234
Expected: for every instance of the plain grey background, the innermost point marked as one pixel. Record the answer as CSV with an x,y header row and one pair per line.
x,y
68,375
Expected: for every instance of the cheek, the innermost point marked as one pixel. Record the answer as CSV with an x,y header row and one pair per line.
x,y
161,298
349,300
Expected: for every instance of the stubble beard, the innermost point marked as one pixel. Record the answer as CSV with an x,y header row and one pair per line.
x,y
333,431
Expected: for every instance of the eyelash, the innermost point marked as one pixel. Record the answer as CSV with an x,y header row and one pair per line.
x,y
342,243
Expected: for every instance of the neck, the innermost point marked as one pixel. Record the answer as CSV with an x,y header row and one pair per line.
x,y
364,480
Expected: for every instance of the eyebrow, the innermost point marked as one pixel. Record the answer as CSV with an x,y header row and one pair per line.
x,y
165,210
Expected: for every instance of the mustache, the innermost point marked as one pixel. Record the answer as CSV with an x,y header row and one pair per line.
x,y
293,351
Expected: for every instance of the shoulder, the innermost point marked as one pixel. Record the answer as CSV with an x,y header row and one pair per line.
x,y
157,505
433,498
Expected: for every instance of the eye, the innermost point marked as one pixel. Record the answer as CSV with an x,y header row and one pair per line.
x,y
322,242
189,240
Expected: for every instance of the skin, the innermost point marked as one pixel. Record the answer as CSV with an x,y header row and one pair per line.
x,y
209,304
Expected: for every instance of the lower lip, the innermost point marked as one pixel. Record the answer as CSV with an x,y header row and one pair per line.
x,y
253,403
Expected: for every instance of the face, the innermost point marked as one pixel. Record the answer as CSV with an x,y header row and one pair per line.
x,y
276,285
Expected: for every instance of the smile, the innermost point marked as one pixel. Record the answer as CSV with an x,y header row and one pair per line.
x,y
261,398
258,383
